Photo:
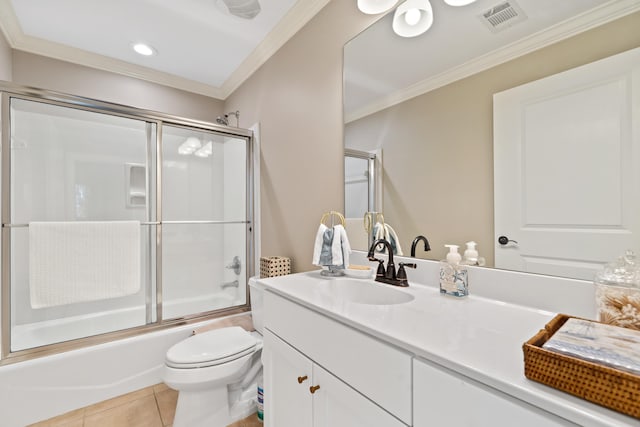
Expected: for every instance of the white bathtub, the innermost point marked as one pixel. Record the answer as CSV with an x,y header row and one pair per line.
x,y
68,328
41,388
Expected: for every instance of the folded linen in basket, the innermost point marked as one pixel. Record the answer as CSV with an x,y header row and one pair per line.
x,y
71,262
598,343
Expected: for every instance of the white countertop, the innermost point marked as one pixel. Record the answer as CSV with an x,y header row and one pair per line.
x,y
477,337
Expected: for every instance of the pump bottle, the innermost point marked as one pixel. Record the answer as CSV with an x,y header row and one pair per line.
x,y
453,275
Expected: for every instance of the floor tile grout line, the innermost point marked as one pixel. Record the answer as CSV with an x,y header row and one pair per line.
x,y
155,397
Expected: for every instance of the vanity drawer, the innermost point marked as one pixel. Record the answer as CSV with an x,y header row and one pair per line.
x,y
377,370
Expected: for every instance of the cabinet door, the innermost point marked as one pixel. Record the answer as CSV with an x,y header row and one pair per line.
x,y
287,398
444,398
335,404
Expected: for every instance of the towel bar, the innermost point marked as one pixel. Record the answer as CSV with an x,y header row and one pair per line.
x,y
155,223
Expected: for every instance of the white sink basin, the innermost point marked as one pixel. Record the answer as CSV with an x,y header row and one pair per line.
x,y
365,292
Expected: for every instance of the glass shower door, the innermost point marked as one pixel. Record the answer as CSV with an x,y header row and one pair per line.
x,y
204,221
78,171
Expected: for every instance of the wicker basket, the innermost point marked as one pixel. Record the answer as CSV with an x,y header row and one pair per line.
x,y
596,383
274,266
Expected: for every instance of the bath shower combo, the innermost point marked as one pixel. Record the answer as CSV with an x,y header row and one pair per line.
x,y
115,244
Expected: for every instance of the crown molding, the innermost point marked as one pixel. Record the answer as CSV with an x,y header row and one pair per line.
x,y
296,18
20,41
9,22
104,63
301,13
600,15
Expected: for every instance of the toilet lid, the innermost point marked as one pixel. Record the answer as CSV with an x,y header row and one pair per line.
x,y
211,348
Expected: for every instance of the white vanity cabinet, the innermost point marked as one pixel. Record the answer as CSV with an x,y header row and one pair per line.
x,y
299,393
444,398
357,380
287,378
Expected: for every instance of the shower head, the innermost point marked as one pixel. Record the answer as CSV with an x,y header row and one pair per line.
x,y
224,120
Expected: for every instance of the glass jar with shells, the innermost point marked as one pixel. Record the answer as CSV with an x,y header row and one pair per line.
x,y
618,292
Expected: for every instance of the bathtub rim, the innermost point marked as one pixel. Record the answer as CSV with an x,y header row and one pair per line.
x,y
57,348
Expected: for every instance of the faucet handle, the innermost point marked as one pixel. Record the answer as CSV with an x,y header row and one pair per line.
x,y
381,271
402,274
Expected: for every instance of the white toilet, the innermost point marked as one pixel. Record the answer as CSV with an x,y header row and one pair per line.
x,y
216,372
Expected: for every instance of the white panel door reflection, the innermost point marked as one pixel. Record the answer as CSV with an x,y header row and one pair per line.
x,y
566,157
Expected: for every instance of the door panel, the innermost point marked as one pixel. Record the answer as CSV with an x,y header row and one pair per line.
x,y
443,398
335,404
566,156
287,401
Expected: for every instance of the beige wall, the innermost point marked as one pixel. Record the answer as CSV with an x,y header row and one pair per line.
x,y
52,74
297,98
5,59
437,148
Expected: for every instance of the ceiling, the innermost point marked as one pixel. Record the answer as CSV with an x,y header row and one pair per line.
x,y
204,49
200,47
459,44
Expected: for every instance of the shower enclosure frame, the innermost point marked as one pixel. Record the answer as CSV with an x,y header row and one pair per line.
x,y
8,91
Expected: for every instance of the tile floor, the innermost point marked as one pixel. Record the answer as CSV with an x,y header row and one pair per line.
x,y
153,406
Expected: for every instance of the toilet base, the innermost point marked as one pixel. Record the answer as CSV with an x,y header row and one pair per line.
x,y
202,408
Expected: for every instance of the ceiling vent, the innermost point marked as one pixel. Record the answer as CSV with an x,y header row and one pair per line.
x,y
503,16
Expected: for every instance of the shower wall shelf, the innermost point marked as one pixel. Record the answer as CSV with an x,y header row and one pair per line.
x,y
136,180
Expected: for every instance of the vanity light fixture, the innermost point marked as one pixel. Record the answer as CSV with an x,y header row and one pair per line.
x,y
143,49
458,2
374,7
412,18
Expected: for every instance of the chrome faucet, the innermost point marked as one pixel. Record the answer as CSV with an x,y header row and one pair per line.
x,y
389,275
233,284
415,243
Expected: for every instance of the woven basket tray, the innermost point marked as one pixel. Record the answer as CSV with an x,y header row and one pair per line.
x,y
596,383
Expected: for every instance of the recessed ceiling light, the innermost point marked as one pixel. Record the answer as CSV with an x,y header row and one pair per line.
x,y
144,49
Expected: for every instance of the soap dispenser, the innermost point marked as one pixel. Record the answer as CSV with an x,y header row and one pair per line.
x,y
471,256
453,275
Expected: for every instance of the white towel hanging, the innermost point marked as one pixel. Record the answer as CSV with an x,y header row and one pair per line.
x,y
344,244
317,246
71,262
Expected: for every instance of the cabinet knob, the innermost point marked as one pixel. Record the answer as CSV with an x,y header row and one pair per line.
x,y
302,379
313,388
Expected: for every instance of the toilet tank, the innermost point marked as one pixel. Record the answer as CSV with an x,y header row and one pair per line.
x,y
256,292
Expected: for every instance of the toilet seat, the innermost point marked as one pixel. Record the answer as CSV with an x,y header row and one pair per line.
x,y
211,348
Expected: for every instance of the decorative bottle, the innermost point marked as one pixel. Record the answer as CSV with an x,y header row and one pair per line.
x,y
453,275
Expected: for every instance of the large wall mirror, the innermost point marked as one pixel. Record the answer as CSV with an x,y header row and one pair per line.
x,y
427,104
